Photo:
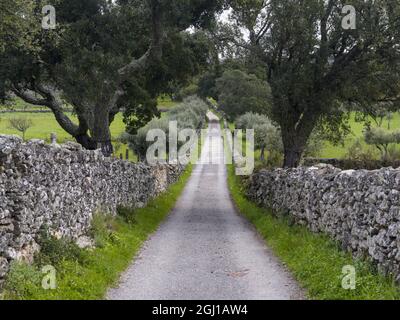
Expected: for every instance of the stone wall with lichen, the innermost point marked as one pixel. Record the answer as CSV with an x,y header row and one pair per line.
x,y
358,208
61,187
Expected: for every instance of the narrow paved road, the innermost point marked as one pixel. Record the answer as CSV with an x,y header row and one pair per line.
x,y
206,250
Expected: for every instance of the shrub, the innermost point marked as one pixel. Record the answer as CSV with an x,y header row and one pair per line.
x,y
381,139
250,120
127,214
138,142
54,251
357,152
23,281
21,124
192,110
186,118
103,230
188,91
190,114
266,134
394,153
268,137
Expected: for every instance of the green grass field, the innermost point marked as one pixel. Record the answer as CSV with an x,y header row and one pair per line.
x,y
18,104
340,151
44,124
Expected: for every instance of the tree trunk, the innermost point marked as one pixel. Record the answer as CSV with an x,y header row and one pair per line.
x,y
101,131
297,128
295,142
100,135
262,158
292,158
86,141
386,152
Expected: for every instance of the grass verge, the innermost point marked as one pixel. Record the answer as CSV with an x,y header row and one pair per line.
x,y
314,260
87,274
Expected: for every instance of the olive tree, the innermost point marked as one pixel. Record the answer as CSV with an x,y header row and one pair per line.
x,y
21,124
190,114
381,139
267,135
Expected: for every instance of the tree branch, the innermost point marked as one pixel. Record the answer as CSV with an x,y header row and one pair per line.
x,y
29,97
50,99
154,51
324,31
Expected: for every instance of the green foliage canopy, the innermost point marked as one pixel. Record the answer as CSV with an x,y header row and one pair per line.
x,y
315,66
239,93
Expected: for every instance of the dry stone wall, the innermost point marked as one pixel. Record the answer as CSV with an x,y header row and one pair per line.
x,y
360,209
61,187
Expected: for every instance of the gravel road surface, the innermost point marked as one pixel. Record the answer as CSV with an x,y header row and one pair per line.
x,y
205,250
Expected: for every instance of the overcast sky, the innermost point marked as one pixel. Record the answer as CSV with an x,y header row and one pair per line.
x,y
224,17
